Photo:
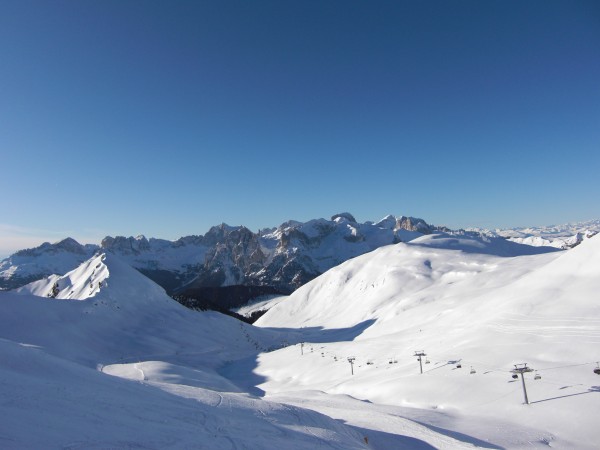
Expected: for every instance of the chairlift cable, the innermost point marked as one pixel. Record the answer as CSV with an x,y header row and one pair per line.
x,y
570,365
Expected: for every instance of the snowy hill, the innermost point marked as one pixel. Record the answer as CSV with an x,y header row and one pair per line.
x,y
58,355
459,306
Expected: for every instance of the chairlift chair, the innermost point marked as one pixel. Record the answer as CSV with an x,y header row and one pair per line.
x,y
426,360
515,376
472,371
597,369
458,366
537,376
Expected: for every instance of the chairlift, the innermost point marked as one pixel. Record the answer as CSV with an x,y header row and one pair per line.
x,y
427,361
472,371
369,363
537,376
597,369
515,376
458,366
391,361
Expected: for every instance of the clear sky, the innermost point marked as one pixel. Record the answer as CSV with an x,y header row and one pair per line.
x,y
164,118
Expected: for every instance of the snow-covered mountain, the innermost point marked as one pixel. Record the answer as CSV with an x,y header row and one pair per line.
x,y
108,360
560,236
229,266
474,315
281,258
113,362
33,264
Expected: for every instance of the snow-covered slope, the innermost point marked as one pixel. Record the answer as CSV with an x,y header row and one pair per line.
x,y
399,277
47,259
460,306
58,355
79,284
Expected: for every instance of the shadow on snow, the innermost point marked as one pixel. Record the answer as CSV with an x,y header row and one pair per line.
x,y
589,391
241,372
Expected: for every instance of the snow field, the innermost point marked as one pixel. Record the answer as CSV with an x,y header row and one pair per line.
x,y
125,366
484,311
165,392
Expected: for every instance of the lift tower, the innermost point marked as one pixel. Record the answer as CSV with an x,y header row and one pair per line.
x,y
419,355
522,369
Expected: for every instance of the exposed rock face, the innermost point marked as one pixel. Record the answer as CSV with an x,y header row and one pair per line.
x,y
126,246
412,224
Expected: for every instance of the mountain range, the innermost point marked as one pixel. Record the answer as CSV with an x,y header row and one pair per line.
x,y
413,345
232,265
228,260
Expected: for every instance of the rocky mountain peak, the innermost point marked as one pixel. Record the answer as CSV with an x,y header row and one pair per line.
x,y
412,224
126,245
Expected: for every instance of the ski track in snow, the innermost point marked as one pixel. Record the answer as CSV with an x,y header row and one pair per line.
x,y
367,416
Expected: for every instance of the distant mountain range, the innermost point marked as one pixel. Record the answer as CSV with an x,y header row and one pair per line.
x,y
559,236
230,265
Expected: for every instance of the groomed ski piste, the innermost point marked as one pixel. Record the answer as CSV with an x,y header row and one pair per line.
x,y
113,362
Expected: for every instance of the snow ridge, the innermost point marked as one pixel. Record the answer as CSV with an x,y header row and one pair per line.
x,y
79,284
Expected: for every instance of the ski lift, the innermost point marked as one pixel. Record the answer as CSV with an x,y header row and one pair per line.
x,y
537,376
472,371
369,363
515,376
427,361
597,369
458,366
391,361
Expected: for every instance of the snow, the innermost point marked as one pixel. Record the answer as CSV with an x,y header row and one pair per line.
x,y
129,367
79,284
559,236
125,366
458,305
260,304
46,259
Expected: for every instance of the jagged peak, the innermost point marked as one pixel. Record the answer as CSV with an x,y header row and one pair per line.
x,y
68,241
223,227
388,221
68,244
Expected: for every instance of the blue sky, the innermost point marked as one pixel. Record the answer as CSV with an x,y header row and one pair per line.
x,y
164,118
